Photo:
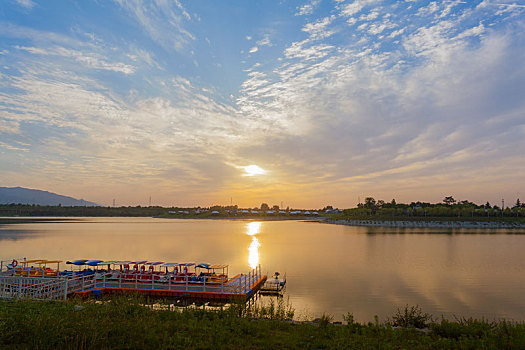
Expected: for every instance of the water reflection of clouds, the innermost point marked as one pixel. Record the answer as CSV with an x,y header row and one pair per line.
x,y
252,229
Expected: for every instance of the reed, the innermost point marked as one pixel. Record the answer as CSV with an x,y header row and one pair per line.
x,y
135,323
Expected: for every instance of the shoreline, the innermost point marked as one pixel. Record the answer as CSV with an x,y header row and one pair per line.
x,y
454,224
427,224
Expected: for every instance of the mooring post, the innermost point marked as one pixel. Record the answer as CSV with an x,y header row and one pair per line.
x,y
65,289
19,286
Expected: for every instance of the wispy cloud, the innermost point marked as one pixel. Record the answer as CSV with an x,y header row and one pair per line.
x,y
307,9
162,20
356,111
28,4
91,60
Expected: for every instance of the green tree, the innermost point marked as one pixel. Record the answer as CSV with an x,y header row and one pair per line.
x,y
449,200
370,203
265,206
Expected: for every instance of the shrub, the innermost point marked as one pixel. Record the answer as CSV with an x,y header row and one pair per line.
x,y
411,316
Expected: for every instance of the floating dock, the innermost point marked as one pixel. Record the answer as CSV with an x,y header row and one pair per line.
x,y
239,288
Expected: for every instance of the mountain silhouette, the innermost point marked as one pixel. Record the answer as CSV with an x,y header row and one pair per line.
x,y
21,195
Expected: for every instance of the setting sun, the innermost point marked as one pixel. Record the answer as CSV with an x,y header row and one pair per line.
x,y
252,170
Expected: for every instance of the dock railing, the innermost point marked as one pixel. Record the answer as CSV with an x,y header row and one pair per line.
x,y
36,288
241,284
60,287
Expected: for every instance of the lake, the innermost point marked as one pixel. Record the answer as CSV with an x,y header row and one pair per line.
x,y
331,269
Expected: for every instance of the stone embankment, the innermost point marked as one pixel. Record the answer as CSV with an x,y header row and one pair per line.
x,y
428,224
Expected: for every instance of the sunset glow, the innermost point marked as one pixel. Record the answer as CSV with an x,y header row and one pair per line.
x,y
252,170
252,229
120,101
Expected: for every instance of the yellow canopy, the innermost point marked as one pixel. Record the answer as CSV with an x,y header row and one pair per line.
x,y
218,266
34,261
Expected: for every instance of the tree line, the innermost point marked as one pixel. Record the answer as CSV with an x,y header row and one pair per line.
x,y
449,207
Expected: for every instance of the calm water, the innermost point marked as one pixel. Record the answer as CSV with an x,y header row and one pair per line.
x,y
332,269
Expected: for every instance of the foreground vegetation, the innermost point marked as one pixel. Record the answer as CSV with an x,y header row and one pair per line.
x,y
123,323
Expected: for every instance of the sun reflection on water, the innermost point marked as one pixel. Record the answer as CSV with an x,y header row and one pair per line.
x,y
252,229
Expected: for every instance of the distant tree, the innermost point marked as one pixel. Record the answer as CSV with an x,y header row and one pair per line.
x,y
487,205
265,206
370,203
518,203
393,203
275,207
328,207
449,200
380,203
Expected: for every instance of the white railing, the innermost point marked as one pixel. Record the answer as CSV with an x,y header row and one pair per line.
x,y
60,287
30,287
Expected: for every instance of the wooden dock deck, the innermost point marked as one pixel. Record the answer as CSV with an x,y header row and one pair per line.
x,y
240,288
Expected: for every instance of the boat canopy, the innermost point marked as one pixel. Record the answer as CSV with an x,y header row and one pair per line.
x,y
125,262
94,262
218,266
78,262
187,264
154,263
204,266
110,262
139,262
33,261
169,265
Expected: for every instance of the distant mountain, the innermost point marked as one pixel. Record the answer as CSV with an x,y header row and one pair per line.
x,y
22,195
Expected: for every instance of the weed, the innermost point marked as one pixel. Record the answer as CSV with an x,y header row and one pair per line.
x,y
411,316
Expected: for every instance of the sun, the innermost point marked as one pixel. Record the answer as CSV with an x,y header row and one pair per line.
x,y
252,170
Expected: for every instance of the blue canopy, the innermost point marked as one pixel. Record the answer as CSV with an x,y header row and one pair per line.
x,y
94,262
204,266
78,262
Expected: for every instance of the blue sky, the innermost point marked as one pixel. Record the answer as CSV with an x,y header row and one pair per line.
x,y
334,99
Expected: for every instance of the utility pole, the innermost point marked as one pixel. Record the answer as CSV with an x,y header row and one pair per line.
x,y
502,206
113,202
150,201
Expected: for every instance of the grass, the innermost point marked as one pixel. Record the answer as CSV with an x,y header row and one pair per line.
x,y
129,323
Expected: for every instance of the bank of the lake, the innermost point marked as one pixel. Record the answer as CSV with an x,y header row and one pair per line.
x,y
421,223
122,323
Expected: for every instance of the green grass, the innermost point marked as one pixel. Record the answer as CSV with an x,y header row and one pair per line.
x,y
127,323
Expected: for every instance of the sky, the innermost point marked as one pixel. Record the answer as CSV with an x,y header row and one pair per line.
x,y
304,103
